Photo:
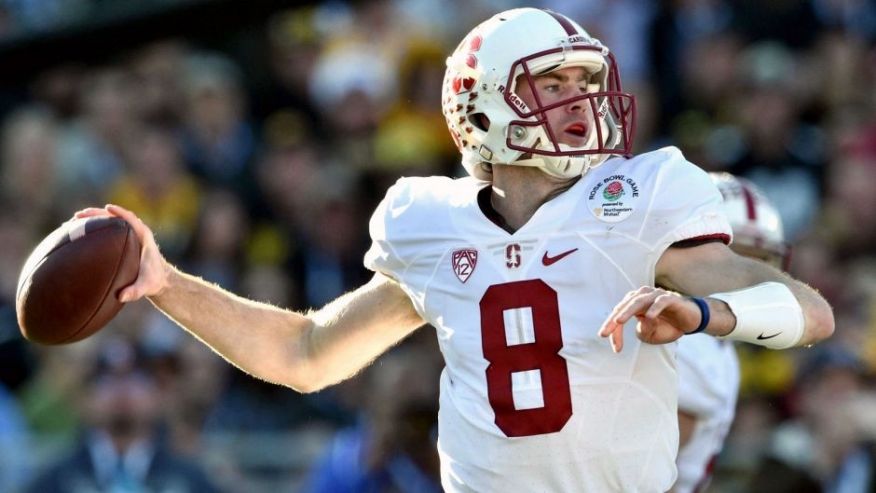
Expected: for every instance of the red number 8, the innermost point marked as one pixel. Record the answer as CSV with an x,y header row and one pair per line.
x,y
543,355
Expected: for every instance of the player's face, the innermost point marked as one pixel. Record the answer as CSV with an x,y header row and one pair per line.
x,y
572,122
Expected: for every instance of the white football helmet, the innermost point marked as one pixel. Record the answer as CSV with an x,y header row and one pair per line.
x,y
481,78
756,224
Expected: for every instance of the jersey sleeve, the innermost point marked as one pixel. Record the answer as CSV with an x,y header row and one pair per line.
x,y
405,228
383,255
685,205
413,217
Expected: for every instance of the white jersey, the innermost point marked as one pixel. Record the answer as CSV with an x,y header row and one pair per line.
x,y
708,383
532,399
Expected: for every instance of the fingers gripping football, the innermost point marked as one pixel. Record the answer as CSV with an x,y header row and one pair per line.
x,y
663,316
153,276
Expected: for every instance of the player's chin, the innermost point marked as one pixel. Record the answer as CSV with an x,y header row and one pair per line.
x,y
573,139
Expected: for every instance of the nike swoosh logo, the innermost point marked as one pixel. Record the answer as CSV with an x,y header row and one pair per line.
x,y
548,260
762,338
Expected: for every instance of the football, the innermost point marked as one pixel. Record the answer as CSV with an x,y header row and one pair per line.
x,y
68,287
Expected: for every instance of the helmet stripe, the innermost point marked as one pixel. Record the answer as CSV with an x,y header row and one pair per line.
x,y
749,203
564,21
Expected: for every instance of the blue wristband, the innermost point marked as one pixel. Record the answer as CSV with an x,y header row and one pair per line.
x,y
704,314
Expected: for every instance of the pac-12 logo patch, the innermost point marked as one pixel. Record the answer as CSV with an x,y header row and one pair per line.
x,y
464,262
613,198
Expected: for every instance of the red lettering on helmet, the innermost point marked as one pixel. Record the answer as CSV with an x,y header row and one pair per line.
x,y
516,101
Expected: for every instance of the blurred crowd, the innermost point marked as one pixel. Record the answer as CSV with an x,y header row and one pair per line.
x,y
258,168
21,19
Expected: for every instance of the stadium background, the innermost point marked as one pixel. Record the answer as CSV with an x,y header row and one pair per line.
x,y
256,137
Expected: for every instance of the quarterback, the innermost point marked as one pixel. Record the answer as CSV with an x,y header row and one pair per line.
x,y
555,274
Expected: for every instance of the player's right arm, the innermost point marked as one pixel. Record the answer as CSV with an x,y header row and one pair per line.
x,y
304,351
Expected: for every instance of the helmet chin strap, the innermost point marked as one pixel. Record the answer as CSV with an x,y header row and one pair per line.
x,y
532,162
541,164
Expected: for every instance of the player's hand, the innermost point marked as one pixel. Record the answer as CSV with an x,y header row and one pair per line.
x,y
663,316
154,269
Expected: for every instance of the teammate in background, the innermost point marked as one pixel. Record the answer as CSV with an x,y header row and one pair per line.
x,y
556,241
708,368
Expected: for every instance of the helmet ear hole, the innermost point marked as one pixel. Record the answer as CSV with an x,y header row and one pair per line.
x,y
480,121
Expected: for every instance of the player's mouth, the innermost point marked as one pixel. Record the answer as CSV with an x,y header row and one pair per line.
x,y
578,129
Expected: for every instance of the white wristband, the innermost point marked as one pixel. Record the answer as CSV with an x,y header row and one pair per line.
x,y
767,314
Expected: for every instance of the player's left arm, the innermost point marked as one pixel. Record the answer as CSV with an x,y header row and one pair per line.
x,y
745,300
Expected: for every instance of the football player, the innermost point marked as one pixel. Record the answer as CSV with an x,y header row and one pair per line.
x,y
556,240
708,369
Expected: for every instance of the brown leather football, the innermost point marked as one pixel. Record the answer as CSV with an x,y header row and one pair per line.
x,y
68,288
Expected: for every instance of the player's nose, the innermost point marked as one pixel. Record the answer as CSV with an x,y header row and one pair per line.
x,y
577,106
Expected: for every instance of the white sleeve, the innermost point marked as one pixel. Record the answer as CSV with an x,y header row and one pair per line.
x,y
382,256
405,230
685,204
